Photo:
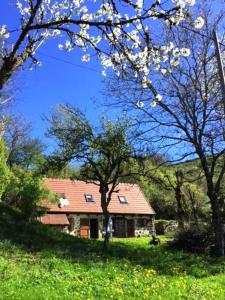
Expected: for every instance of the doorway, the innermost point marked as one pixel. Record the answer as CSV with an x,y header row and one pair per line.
x,y
130,228
119,227
94,228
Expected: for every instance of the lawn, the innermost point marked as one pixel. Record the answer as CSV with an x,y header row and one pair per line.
x,y
38,263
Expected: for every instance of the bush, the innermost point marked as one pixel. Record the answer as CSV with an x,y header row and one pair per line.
x,y
25,191
163,226
197,239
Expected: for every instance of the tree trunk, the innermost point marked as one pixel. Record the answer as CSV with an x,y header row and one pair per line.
x,y
218,226
180,210
107,233
6,70
194,206
103,191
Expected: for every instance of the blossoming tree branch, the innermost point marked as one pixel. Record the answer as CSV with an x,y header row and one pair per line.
x,y
121,33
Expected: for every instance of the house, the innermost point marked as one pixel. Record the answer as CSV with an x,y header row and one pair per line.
x,y
79,210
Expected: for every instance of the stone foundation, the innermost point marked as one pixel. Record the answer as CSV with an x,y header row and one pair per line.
x,y
139,229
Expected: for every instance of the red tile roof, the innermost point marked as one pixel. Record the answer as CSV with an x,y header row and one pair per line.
x,y
75,192
54,219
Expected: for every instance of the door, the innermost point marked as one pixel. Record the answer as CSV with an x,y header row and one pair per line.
x,y
119,227
94,228
130,228
84,228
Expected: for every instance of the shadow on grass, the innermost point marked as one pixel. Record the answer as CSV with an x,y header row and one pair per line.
x,y
38,238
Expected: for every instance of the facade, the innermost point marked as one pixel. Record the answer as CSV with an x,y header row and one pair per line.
x,y
79,210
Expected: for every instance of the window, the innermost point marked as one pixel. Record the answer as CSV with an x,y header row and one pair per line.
x,y
89,198
122,199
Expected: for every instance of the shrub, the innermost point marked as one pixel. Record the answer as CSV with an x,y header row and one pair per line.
x,y
25,191
197,239
4,170
163,226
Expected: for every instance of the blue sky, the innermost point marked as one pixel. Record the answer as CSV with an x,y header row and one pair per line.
x,y
38,91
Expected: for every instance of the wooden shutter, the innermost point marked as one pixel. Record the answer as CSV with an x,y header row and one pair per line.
x,y
84,228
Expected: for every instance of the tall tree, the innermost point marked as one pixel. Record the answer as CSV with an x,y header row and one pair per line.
x,y
189,118
103,152
23,150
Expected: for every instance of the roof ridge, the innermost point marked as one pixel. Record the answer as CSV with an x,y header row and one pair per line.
x,y
78,180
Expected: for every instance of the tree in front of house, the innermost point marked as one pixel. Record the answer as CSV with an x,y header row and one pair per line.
x,y
103,152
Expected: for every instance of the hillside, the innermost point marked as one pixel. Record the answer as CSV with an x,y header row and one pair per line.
x,y
39,263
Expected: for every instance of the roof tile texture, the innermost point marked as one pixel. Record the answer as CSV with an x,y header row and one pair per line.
x,y
54,219
75,192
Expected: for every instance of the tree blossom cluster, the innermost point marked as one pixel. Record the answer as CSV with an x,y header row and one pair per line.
x,y
119,32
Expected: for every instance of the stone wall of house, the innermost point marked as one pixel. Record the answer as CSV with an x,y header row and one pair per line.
x,y
144,231
141,232
74,228
74,219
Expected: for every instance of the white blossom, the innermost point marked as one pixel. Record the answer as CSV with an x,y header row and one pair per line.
x,y
56,32
199,23
185,52
68,46
3,32
119,46
153,103
140,104
86,58
104,72
158,97
190,2
174,63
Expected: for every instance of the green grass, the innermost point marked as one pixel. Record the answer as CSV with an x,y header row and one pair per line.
x,y
38,263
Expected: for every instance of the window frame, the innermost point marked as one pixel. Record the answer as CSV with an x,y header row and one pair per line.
x,y
89,196
123,201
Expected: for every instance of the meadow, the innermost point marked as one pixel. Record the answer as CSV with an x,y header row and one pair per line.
x,y
39,263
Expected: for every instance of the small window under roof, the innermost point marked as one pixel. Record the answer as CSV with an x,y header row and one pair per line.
x,y
89,198
122,199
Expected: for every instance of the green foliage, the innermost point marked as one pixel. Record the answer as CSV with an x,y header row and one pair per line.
x,y
4,171
161,198
28,154
107,153
159,185
40,263
24,191
23,150
196,238
163,226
